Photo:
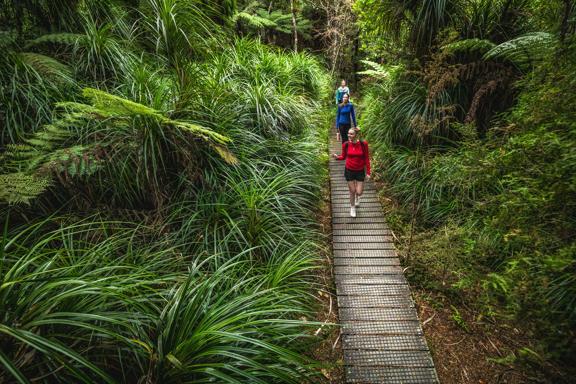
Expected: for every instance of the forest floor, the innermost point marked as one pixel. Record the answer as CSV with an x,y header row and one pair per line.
x,y
468,351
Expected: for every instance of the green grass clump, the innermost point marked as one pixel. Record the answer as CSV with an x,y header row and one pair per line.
x,y
98,301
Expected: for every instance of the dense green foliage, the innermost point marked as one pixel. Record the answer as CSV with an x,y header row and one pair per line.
x,y
160,172
472,116
158,189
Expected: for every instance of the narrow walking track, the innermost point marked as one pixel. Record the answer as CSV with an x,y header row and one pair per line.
x,y
381,334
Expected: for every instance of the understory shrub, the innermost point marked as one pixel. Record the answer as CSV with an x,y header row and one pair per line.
x,y
496,216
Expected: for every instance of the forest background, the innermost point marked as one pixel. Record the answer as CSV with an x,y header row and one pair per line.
x,y
162,163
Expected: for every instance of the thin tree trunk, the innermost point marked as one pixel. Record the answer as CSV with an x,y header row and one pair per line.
x,y
564,25
294,30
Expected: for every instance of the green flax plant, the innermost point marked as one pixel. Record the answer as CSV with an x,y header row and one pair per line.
x,y
272,206
64,298
268,93
100,54
409,119
92,300
30,84
178,31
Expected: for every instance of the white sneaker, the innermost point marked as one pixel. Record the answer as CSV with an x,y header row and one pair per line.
x,y
357,201
353,211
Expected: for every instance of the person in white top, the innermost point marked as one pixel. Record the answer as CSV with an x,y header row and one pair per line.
x,y
341,91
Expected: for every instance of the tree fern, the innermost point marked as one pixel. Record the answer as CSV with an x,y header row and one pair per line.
x,y
523,50
111,106
254,21
50,152
30,84
468,46
380,71
259,18
47,66
58,38
88,137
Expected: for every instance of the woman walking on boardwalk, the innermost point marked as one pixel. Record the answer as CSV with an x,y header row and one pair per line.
x,y
345,118
356,168
341,91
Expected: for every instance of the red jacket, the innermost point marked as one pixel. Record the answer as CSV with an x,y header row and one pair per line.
x,y
356,155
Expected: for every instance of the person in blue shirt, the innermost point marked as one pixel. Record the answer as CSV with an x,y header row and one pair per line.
x,y
345,118
341,91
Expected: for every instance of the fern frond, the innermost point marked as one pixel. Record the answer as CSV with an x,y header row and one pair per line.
x,y
255,21
47,66
379,71
468,46
525,49
75,161
59,148
252,6
197,130
77,111
58,38
17,188
115,106
226,154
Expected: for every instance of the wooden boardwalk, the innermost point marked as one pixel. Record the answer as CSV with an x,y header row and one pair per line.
x,y
381,333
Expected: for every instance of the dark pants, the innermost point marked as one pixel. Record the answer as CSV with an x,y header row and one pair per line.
x,y
344,128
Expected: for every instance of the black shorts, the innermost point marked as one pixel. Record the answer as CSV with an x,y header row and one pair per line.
x,y
344,128
351,175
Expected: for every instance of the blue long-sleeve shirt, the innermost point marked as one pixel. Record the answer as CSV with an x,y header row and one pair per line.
x,y
345,115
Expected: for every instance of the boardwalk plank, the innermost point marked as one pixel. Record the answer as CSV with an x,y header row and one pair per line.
x,y
390,375
363,245
345,209
365,232
358,220
365,261
377,314
388,358
353,225
363,204
368,270
371,280
381,328
375,302
361,239
359,213
344,200
372,290
365,253
384,342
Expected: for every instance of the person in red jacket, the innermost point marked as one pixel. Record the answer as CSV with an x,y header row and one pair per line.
x,y
356,168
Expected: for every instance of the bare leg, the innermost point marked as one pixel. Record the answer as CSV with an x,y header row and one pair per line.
x,y
352,190
359,188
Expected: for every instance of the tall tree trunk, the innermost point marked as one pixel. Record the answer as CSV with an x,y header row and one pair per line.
x,y
294,30
565,18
